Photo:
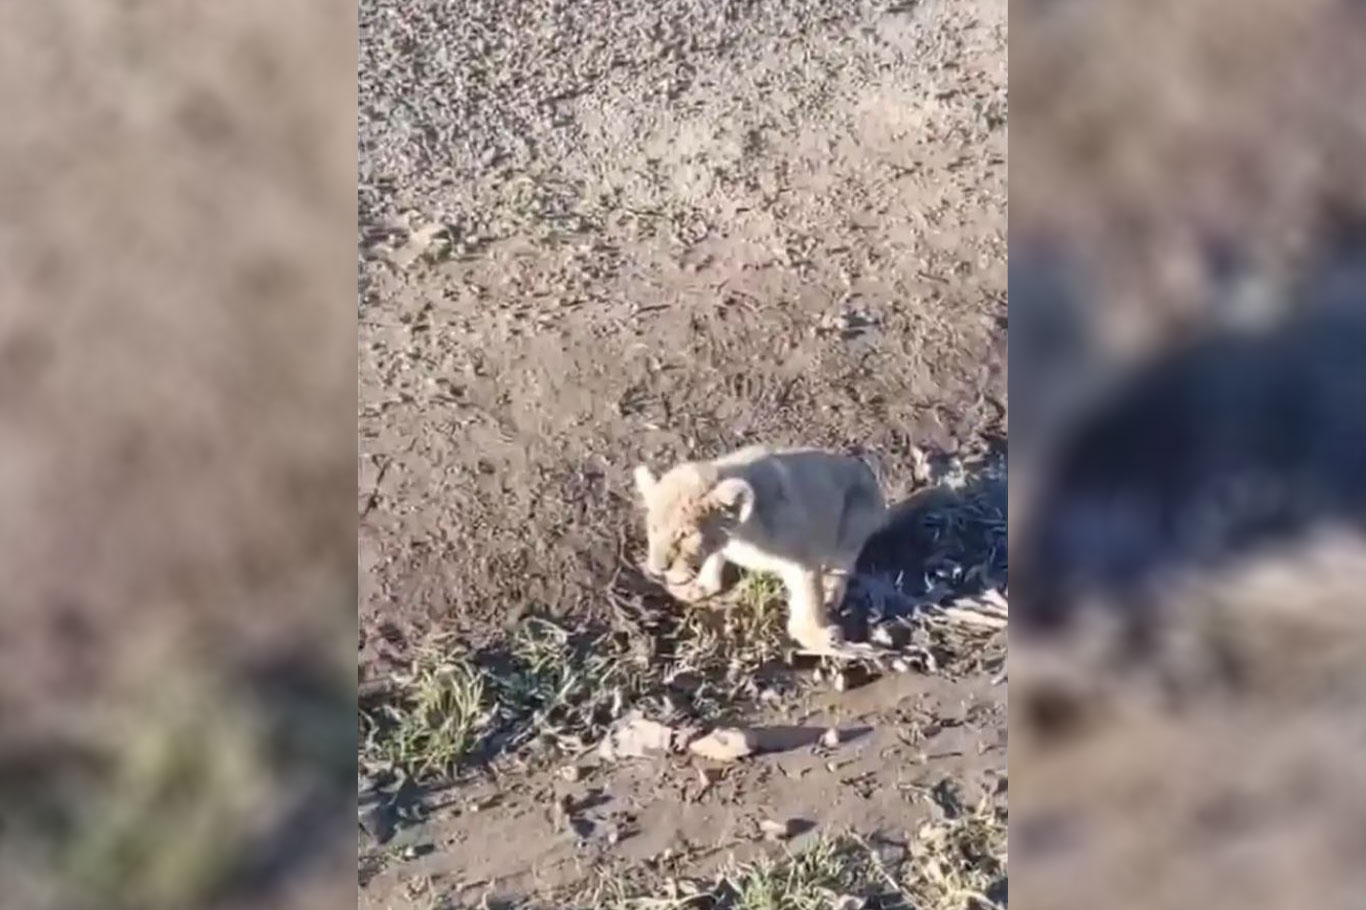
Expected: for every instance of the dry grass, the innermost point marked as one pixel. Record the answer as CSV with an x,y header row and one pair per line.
x,y
954,861
551,687
722,655
437,721
834,872
959,863
187,793
566,688
177,804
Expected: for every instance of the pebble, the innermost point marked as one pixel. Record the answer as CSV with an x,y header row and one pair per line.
x,y
725,744
772,829
413,851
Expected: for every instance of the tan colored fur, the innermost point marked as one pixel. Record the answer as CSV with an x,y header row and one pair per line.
x,y
803,514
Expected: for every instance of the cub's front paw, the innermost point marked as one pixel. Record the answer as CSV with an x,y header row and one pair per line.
x,y
818,639
691,593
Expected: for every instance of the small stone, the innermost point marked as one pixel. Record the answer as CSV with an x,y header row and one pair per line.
x,y
725,744
571,773
901,665
635,736
830,738
841,681
416,245
775,830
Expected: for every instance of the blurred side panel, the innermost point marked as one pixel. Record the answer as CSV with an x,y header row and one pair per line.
x,y
177,542
1188,487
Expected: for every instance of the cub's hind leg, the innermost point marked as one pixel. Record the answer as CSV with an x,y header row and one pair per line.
x,y
864,514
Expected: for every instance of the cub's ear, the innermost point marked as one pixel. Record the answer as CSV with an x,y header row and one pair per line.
x,y
736,497
645,479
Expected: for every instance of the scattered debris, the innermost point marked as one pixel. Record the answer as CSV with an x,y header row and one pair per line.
x,y
417,244
989,611
994,598
973,617
634,736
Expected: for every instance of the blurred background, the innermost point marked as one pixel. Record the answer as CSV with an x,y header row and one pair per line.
x,y
177,427
1188,317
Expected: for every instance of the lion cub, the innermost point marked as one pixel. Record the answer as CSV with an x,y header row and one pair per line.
x,y
803,514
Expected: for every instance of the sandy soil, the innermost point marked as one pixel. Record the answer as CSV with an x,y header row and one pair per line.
x,y
634,231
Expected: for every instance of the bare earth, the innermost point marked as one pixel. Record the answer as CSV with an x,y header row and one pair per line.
x,y
506,838
630,231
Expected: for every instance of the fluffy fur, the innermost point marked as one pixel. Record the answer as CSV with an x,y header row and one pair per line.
x,y
802,514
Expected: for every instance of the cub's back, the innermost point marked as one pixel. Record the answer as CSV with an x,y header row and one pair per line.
x,y
814,480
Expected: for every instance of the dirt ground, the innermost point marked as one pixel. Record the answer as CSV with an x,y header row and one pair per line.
x,y
646,820
641,232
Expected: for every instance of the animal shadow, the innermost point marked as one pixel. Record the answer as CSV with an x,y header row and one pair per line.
x,y
944,541
1224,447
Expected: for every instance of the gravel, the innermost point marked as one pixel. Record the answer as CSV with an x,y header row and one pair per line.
x,y
449,90
491,115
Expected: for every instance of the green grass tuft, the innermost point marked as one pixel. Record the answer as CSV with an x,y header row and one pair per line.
x,y
438,719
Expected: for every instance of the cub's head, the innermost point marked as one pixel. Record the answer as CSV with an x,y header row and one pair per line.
x,y
689,515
